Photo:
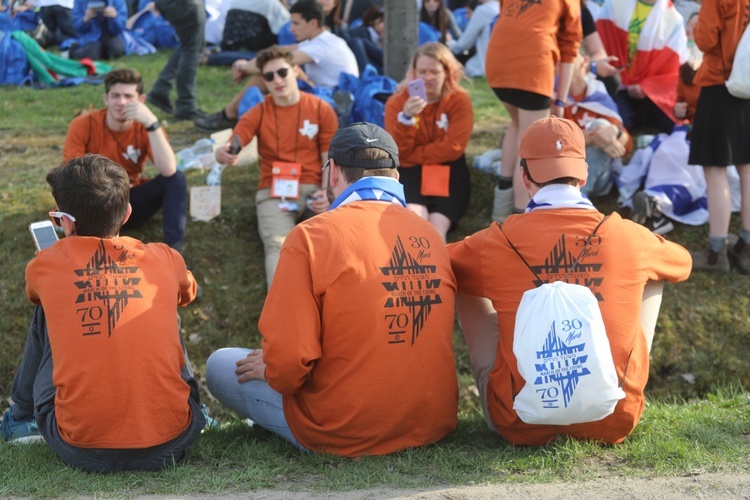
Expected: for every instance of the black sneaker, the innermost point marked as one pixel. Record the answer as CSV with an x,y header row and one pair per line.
x,y
659,224
161,102
214,122
193,115
646,212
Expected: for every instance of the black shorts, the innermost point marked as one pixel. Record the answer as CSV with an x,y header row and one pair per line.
x,y
452,206
523,99
720,129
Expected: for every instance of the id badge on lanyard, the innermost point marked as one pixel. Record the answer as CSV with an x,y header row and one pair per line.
x,y
436,180
285,179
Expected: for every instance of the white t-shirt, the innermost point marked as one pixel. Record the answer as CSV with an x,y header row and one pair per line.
x,y
68,4
477,34
331,56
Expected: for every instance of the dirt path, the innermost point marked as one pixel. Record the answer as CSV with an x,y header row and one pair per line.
x,y
703,486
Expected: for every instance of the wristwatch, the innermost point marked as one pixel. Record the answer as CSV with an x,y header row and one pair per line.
x,y
153,126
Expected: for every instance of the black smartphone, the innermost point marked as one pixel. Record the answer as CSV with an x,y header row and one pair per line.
x,y
235,145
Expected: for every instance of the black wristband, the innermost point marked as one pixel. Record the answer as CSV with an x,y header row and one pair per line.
x,y
154,126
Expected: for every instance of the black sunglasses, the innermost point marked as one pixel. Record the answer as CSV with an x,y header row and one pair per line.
x,y
282,72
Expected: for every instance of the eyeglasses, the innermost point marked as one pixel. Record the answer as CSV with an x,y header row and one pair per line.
x,y
57,217
328,164
282,72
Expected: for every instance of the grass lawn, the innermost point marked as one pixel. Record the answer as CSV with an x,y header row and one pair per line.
x,y
700,345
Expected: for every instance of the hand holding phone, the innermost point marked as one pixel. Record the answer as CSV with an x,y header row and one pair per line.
x,y
235,146
43,233
416,88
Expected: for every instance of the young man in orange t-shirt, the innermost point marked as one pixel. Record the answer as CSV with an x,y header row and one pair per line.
x,y
294,130
357,354
127,132
554,240
104,373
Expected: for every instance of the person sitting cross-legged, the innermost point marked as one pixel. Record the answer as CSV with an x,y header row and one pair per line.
x,y
357,354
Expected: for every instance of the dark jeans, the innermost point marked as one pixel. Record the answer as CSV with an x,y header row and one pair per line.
x,y
188,18
168,194
107,47
640,113
59,22
33,393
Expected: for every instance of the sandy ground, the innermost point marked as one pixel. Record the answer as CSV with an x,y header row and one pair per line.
x,y
703,486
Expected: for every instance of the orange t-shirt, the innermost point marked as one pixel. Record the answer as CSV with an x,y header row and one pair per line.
x,y
527,41
441,132
299,133
622,258
357,331
721,24
111,311
88,133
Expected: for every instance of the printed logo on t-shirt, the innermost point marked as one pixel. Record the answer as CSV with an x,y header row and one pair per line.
x,y
442,122
560,260
413,288
132,154
309,130
105,290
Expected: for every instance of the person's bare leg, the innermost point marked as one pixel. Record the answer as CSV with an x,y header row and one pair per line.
x,y
719,200
509,155
652,295
479,324
441,223
420,210
744,171
502,203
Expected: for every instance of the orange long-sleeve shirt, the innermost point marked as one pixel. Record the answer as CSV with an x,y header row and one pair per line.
x,y
440,134
357,331
527,41
88,133
299,133
111,311
616,270
719,29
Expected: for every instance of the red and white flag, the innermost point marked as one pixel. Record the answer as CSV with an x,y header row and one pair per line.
x,y
661,48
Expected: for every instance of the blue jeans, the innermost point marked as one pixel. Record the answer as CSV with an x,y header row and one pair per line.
x,y
188,18
599,181
168,194
253,399
34,393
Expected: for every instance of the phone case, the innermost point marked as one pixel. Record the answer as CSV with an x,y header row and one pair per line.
x,y
416,87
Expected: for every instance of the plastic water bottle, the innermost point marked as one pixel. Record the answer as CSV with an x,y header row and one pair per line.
x,y
196,156
214,176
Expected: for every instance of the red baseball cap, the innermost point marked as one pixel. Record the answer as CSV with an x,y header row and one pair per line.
x,y
553,148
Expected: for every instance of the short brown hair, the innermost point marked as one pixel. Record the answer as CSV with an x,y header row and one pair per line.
x,y
273,52
123,75
93,189
571,181
353,174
